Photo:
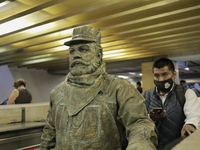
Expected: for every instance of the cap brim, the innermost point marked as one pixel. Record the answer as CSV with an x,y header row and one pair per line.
x,y
71,42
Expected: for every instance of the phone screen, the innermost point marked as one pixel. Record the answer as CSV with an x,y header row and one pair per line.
x,y
155,109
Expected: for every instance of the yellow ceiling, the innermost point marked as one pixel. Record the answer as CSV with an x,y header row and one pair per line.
x,y
32,32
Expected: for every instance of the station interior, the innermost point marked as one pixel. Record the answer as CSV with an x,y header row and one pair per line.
x,y
134,34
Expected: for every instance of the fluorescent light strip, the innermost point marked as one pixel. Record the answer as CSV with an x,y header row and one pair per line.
x,y
114,51
4,3
64,40
62,48
36,61
112,55
41,28
69,31
13,25
124,77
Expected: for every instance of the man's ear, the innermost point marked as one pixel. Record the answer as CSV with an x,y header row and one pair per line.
x,y
174,75
99,54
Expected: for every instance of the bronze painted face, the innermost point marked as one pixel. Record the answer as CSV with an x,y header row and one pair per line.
x,y
83,58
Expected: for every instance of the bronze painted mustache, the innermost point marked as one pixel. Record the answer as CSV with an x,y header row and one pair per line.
x,y
76,63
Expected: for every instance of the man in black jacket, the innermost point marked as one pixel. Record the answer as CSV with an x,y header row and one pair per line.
x,y
173,120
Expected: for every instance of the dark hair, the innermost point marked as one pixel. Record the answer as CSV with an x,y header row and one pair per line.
x,y
182,81
139,83
18,82
162,62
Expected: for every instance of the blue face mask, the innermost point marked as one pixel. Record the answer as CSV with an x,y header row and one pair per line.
x,y
165,85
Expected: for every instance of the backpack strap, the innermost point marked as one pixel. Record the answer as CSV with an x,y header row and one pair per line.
x,y
180,94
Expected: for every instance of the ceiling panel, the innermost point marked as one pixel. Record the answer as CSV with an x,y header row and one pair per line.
x,y
32,32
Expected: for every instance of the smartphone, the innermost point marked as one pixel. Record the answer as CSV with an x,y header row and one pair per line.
x,y
155,109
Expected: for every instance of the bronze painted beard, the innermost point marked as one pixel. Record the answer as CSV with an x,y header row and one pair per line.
x,y
83,69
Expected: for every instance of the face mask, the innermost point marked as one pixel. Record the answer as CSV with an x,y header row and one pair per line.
x,y
165,85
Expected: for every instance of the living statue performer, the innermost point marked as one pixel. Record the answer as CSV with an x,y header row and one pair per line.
x,y
92,109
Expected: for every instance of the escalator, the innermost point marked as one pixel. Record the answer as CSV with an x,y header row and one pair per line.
x,y
21,136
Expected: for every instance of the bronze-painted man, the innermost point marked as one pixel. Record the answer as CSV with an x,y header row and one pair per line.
x,y
91,109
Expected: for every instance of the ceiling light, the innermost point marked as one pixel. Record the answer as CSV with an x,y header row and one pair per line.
x,y
124,77
13,25
69,31
41,28
114,51
64,40
36,61
61,48
4,3
164,2
187,68
140,74
40,56
112,55
132,73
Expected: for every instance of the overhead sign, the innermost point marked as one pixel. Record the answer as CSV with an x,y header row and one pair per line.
x,y
182,63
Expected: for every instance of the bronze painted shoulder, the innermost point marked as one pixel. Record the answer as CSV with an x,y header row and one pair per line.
x,y
57,92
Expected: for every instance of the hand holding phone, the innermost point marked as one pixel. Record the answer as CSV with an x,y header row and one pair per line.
x,y
157,109
157,113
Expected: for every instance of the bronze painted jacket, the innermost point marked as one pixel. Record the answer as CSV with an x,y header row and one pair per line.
x,y
98,122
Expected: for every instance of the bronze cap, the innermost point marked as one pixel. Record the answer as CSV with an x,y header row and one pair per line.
x,y
85,33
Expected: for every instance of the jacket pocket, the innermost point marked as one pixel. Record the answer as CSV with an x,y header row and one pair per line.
x,y
61,119
86,123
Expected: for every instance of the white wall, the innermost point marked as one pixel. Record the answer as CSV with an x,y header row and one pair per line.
x,y
38,82
6,82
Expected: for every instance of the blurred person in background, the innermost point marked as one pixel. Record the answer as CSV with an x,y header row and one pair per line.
x,y
139,88
20,95
196,89
183,82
